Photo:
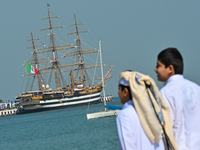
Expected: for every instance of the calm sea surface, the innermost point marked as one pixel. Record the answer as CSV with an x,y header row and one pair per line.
x,y
66,129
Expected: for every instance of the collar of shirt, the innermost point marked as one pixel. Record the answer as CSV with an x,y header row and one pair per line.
x,y
174,78
130,102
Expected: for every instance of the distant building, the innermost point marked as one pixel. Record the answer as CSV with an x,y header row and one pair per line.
x,y
9,104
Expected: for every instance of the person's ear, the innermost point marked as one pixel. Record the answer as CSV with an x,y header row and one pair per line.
x,y
125,91
171,69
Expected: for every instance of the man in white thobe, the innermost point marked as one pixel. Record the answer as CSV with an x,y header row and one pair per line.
x,y
184,100
131,133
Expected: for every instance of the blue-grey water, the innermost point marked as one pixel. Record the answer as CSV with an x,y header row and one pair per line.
x,y
60,129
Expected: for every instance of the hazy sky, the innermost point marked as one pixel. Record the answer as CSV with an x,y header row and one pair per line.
x,y
133,32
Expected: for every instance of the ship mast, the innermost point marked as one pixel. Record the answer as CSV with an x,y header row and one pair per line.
x,y
55,60
35,59
36,62
102,80
81,66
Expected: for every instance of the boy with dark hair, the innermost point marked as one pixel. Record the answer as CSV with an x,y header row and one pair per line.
x,y
183,97
138,127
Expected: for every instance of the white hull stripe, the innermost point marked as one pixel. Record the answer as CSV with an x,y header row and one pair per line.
x,y
70,99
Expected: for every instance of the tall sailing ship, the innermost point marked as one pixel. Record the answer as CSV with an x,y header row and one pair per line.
x,y
53,89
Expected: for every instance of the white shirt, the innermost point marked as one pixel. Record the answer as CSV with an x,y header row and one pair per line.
x,y
184,101
130,131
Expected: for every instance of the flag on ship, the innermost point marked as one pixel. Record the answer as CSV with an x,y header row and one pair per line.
x,y
44,46
31,69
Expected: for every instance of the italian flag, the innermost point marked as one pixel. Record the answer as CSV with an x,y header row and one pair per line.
x,y
31,69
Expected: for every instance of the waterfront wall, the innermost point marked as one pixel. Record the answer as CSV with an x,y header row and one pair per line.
x,y
8,112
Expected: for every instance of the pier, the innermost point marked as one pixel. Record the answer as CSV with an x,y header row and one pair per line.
x,y
107,99
8,112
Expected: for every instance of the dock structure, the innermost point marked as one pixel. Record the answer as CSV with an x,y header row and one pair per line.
x,y
8,112
107,98
102,114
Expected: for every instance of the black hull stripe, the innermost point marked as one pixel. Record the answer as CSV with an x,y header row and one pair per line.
x,y
59,107
74,96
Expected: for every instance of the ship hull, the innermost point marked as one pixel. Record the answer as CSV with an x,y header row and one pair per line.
x,y
60,103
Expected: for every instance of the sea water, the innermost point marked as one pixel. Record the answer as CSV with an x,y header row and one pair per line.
x,y
63,129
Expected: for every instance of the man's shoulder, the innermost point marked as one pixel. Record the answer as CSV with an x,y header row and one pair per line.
x,y
168,87
179,85
129,108
128,116
192,83
128,111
